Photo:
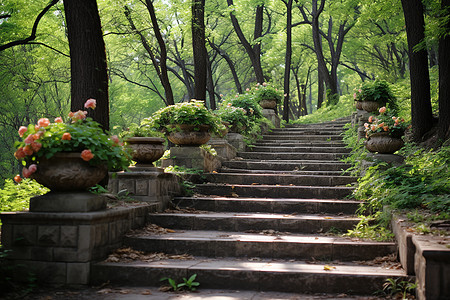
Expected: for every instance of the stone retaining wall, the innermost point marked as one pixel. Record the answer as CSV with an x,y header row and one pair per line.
x,y
425,256
59,247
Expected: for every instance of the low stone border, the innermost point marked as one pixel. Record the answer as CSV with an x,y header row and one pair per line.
x,y
58,248
425,256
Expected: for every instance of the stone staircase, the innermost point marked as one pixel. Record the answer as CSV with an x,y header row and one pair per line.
x,y
264,222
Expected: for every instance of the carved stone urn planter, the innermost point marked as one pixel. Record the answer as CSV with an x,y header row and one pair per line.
x,y
146,150
359,105
268,103
382,142
370,106
68,177
67,172
189,135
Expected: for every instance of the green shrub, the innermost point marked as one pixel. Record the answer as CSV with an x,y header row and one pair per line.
x,y
16,196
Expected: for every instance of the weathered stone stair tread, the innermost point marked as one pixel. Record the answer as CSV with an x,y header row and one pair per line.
x,y
296,172
298,276
275,245
287,165
306,144
242,204
225,221
302,137
290,149
281,179
274,191
291,155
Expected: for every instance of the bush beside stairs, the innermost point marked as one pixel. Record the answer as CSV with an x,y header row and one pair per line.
x,y
261,223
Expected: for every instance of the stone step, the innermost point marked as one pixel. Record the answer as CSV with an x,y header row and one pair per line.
x,y
310,173
264,244
274,191
226,221
291,156
304,137
304,144
297,149
245,274
284,206
281,179
287,165
305,132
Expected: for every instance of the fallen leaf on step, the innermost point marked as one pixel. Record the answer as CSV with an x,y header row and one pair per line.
x,y
328,268
255,183
170,230
328,218
214,172
146,292
124,291
234,195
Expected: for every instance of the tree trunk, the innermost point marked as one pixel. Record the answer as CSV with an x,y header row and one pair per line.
x,y
210,83
163,75
200,54
421,112
254,53
89,77
287,61
319,90
444,79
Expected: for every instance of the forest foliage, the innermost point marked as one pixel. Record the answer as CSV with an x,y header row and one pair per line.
x,y
35,77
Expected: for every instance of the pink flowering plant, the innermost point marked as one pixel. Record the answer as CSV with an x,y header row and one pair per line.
x,y
385,122
265,91
235,116
79,134
185,113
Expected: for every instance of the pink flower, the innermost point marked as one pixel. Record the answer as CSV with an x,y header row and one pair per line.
x,y
221,95
87,155
26,173
247,89
359,91
38,135
17,178
32,168
71,114
370,119
79,115
115,139
29,139
36,146
43,122
382,110
66,136
58,120
28,150
90,103
19,154
354,95
366,125
264,84
386,128
22,130
373,127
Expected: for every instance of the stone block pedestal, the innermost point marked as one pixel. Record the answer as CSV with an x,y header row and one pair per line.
x,y
192,157
236,140
224,150
272,116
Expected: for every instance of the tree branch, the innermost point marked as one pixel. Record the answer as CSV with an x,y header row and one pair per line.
x,y
45,45
33,30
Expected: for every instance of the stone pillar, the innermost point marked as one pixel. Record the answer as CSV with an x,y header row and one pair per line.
x,y
236,140
272,116
224,150
146,184
192,157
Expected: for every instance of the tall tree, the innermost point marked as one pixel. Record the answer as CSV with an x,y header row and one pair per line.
x,y
334,44
444,75
421,112
199,49
89,77
253,52
287,61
